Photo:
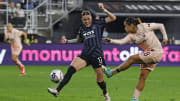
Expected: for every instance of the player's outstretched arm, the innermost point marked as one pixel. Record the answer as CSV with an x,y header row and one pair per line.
x,y
76,40
111,17
25,38
123,41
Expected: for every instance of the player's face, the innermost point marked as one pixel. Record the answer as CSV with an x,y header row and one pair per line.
x,y
9,28
87,20
130,28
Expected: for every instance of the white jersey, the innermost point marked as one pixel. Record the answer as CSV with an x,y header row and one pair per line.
x,y
14,37
145,37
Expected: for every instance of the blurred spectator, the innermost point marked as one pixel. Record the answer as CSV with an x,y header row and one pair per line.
x,y
11,12
24,4
36,3
63,39
0,4
105,33
20,16
33,40
171,41
36,41
48,41
7,1
15,1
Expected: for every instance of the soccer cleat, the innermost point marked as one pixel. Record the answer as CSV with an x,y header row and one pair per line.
x,y
107,97
133,99
107,71
22,73
54,92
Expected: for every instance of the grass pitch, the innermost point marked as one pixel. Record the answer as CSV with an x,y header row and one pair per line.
x,y
163,84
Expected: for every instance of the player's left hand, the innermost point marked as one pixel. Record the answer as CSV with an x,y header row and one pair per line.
x,y
101,6
164,42
107,40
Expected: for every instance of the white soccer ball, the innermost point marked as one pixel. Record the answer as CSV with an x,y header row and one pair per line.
x,y
56,76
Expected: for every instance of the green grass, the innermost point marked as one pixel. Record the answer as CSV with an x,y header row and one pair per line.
x,y
163,84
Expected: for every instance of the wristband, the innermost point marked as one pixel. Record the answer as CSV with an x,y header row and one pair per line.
x,y
66,41
105,10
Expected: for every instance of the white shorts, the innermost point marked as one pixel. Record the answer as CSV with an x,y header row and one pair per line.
x,y
150,58
16,51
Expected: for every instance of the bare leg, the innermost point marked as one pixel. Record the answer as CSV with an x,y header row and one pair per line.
x,y
99,74
18,63
141,83
135,59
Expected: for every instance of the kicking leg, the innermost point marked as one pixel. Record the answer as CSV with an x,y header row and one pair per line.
x,y
76,65
135,59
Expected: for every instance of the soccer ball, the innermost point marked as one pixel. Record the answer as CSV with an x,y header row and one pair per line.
x,y
56,76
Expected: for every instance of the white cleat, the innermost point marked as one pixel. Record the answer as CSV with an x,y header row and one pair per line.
x,y
54,92
107,97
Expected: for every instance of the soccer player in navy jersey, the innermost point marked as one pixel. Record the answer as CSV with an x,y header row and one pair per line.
x,y
90,34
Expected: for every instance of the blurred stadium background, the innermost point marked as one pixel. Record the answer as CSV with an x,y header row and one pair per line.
x,y
51,19
47,21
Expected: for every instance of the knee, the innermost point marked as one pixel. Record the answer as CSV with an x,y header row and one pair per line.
x,y
99,77
142,77
13,59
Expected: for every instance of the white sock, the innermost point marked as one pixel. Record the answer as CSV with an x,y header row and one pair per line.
x,y
137,93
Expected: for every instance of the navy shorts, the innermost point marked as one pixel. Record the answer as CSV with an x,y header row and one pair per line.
x,y
96,62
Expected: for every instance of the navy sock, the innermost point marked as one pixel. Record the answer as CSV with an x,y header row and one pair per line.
x,y
67,77
102,85
117,70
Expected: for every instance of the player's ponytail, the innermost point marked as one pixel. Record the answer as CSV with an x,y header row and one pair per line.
x,y
139,20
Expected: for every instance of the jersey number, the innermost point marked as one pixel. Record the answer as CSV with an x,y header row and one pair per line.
x,y
146,53
100,60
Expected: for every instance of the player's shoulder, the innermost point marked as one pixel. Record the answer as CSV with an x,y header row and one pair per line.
x,y
149,24
145,25
15,30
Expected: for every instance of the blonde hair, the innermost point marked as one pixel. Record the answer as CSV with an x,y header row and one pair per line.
x,y
9,25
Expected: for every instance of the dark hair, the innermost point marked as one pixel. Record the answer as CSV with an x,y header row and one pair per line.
x,y
131,20
85,12
88,11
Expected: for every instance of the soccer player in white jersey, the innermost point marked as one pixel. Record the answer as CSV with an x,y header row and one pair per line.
x,y
14,36
143,35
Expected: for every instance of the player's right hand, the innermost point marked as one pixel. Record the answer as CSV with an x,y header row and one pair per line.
x,y
101,6
107,40
164,42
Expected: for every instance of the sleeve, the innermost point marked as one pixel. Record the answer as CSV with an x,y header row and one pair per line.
x,y
18,32
79,37
158,26
123,41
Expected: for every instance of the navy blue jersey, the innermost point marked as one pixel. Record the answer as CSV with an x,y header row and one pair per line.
x,y
92,38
